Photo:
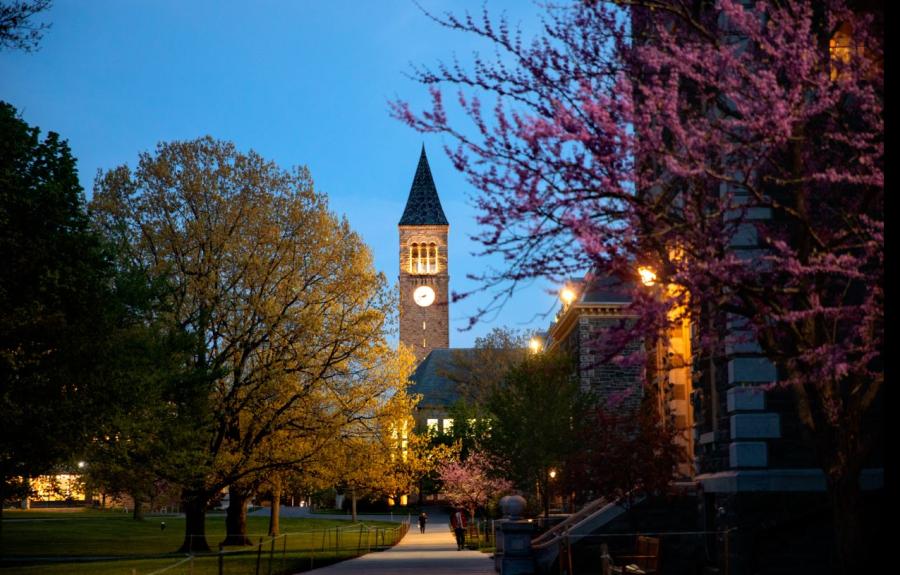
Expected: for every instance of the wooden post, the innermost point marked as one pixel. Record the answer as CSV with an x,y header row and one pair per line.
x,y
727,554
221,559
258,555
604,559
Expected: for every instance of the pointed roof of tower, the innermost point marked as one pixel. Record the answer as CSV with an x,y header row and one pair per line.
x,y
423,208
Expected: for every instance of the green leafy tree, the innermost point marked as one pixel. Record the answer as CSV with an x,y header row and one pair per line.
x,y
535,415
281,295
54,289
476,373
146,369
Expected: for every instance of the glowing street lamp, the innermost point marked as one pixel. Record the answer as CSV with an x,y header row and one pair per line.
x,y
535,345
567,295
648,276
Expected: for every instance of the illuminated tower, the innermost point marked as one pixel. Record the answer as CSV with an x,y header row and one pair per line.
x,y
424,278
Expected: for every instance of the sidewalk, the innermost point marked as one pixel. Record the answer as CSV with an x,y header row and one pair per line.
x,y
433,553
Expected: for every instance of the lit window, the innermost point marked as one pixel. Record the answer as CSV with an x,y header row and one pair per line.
x,y
423,258
840,48
448,425
432,424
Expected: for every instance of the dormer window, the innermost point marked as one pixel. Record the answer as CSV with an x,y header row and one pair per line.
x,y
423,258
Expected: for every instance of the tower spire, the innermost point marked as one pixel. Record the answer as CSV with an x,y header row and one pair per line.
x,y
423,207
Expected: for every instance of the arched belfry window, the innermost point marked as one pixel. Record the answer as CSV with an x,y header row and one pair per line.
x,y
423,258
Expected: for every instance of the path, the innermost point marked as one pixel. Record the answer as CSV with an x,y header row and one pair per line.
x,y
433,553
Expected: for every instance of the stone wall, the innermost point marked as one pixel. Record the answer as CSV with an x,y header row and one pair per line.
x,y
424,328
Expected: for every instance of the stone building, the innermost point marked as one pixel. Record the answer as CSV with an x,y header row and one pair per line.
x,y
424,305
424,267
597,303
424,297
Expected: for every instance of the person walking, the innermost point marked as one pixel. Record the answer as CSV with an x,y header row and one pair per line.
x,y
458,523
423,519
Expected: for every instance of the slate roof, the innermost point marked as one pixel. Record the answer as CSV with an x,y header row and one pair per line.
x,y
607,290
431,381
423,207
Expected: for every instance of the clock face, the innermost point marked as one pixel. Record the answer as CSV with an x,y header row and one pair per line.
x,y
424,296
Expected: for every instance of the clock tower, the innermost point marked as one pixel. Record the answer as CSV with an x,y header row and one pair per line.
x,y
424,278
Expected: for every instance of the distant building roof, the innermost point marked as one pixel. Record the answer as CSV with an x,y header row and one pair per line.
x,y
430,378
423,207
607,289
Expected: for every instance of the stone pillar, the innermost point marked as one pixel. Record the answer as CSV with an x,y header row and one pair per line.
x,y
514,539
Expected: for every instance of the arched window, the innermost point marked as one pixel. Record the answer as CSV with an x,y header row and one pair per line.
x,y
423,258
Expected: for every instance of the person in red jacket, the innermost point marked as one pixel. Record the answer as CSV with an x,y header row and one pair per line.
x,y
458,522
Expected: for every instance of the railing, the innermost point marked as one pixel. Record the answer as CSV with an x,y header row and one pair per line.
x,y
680,551
289,552
480,534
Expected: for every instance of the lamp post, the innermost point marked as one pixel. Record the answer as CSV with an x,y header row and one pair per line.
x,y
549,477
567,295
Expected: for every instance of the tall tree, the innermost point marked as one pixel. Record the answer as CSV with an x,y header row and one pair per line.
x,y
535,414
381,455
624,454
281,294
476,373
146,372
673,133
54,285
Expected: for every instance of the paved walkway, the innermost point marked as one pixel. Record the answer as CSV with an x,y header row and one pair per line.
x,y
431,553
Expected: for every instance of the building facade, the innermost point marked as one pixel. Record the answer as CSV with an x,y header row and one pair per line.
x,y
424,267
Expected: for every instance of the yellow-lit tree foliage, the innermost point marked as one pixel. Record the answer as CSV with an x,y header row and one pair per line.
x,y
380,455
282,291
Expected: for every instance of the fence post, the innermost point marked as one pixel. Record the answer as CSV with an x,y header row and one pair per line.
x,y
727,554
258,555
221,559
283,552
271,555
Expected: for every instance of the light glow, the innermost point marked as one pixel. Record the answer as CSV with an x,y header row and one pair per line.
x,y
567,295
648,276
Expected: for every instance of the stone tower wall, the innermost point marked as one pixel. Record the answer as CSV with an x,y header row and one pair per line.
x,y
435,318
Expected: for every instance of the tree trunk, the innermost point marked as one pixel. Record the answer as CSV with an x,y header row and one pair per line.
x,y
353,504
138,513
846,511
194,503
275,514
236,517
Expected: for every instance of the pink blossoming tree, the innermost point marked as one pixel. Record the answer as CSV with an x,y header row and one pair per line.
x,y
469,483
738,151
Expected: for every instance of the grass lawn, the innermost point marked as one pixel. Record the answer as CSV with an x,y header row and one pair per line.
x,y
55,543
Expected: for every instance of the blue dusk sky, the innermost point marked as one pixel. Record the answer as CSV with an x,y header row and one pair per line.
x,y
300,82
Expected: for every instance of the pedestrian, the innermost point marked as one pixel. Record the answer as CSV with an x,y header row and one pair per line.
x,y
458,523
423,519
